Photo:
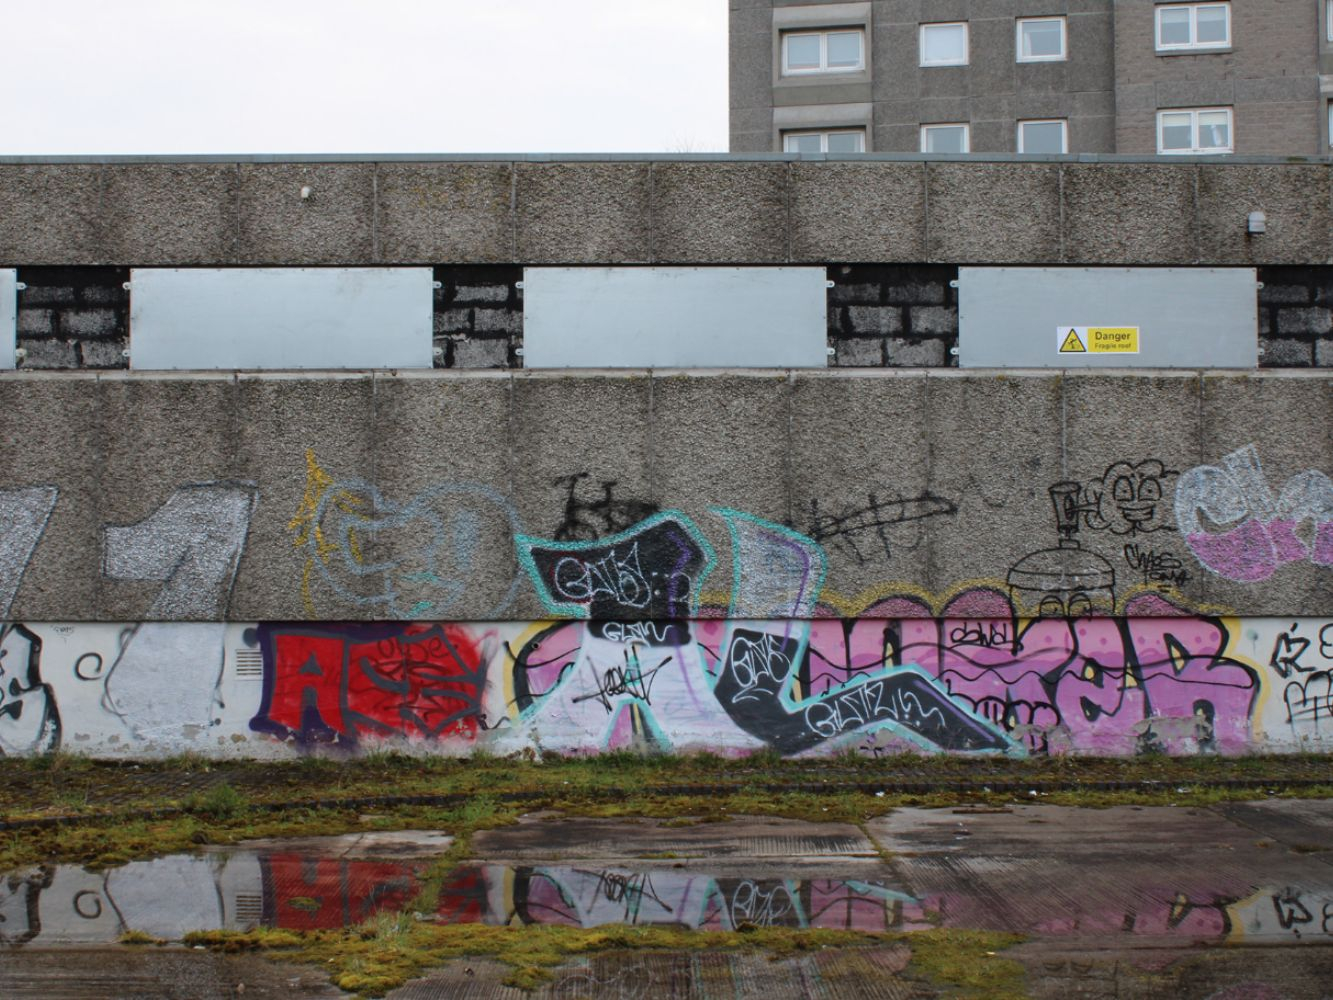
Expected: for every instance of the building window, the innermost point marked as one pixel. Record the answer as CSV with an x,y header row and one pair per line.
x,y
806,52
1043,136
1041,39
839,141
944,138
1201,130
1189,26
944,44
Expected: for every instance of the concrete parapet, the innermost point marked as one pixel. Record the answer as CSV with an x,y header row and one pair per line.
x,y
691,209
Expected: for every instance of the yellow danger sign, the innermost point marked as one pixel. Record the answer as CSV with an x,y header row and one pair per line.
x,y
1098,339
1072,344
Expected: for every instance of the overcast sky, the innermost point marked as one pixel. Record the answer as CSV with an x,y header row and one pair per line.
x,y
364,76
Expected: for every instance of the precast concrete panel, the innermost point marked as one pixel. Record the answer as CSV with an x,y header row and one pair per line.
x,y
8,316
675,317
281,318
1107,317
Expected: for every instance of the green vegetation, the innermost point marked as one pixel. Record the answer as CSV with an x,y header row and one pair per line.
x,y
388,950
110,815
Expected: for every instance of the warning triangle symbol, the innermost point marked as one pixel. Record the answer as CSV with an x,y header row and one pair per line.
x,y
1073,345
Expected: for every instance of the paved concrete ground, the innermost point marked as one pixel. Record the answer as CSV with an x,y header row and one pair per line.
x,y
1221,903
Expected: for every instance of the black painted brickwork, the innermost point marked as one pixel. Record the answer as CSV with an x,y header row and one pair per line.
x,y
73,317
1296,317
478,317
895,316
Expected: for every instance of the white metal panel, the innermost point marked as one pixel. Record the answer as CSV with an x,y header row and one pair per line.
x,y
675,317
1186,317
8,316
268,318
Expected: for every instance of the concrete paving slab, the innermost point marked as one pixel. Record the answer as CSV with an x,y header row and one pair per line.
x,y
859,974
546,838
1155,876
1304,825
156,974
375,844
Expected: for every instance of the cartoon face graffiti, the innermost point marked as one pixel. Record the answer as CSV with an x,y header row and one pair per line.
x,y
1127,499
29,722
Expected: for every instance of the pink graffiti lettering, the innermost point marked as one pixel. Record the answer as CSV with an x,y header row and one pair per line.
x,y
1269,532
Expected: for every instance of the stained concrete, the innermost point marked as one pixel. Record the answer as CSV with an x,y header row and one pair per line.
x,y
486,453
1127,902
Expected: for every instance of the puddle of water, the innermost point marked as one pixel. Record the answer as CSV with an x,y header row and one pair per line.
x,y
308,889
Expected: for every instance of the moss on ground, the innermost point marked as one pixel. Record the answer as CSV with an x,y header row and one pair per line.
x,y
388,950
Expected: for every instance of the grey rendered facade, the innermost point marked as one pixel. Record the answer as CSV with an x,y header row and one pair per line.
x,y
1265,83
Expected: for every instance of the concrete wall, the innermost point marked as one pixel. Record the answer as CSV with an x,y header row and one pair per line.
x,y
809,562
964,682
238,498
643,210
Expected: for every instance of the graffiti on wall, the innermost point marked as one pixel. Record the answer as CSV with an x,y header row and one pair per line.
x,y
1261,531
393,559
1067,653
338,683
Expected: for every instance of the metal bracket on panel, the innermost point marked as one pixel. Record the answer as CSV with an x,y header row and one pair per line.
x,y
437,285
518,285
125,285
954,283
953,352
1259,285
832,352
20,286
829,284
518,352
20,353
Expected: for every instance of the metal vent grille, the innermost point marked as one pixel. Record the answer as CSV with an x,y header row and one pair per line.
x,y
249,663
249,908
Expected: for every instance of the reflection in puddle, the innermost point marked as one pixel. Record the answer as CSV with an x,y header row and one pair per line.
x,y
243,889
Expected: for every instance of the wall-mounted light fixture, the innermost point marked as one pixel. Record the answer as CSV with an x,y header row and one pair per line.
x,y
1257,222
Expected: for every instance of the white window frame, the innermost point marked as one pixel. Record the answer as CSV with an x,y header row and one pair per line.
x,y
921,43
1328,20
1064,132
823,69
1195,149
824,134
1018,40
1193,45
1330,124
967,136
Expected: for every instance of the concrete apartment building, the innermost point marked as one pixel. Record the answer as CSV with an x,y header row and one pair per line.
x,y
1019,76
